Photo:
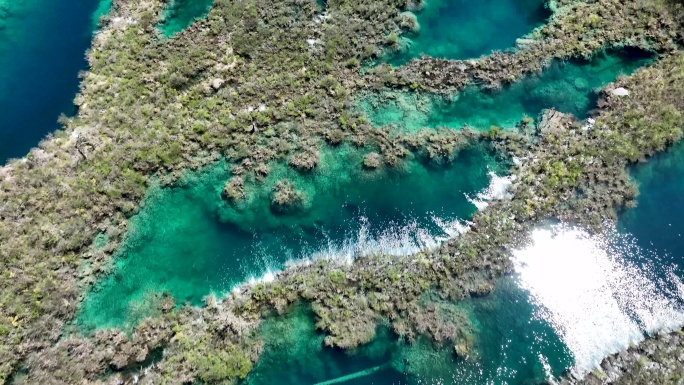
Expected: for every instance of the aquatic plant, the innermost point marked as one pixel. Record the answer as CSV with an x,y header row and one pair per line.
x,y
566,86
234,189
281,85
576,29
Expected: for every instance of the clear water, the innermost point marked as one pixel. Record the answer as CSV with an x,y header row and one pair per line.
x,y
181,13
574,299
658,220
189,241
510,347
42,49
567,86
561,311
462,29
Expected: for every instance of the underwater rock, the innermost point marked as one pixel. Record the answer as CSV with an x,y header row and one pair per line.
x,y
581,84
372,160
234,189
552,121
415,5
461,350
285,196
524,43
408,21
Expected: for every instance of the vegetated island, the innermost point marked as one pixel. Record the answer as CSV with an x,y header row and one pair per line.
x,y
257,82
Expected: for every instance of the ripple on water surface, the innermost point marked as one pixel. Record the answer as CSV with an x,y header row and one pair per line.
x,y
464,29
600,293
189,241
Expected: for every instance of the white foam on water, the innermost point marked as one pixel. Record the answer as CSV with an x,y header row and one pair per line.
x,y
394,240
497,189
599,293
547,368
268,276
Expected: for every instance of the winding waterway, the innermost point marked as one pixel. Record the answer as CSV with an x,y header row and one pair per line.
x,y
574,297
566,86
190,241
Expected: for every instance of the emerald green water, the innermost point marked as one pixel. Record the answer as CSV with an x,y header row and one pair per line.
x,y
462,29
510,347
566,86
102,9
181,13
190,242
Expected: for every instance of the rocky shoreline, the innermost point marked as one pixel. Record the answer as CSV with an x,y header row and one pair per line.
x,y
656,360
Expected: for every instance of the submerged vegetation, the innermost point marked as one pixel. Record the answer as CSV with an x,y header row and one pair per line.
x,y
462,29
569,87
193,240
259,82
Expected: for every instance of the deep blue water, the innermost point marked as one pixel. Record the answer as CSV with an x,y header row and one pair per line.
x,y
42,49
658,220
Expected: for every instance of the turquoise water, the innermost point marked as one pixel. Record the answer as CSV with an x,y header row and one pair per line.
x,y
462,29
567,86
658,219
42,49
510,347
181,13
191,242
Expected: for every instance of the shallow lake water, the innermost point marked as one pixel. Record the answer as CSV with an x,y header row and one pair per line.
x,y
573,298
462,29
189,241
179,14
566,86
